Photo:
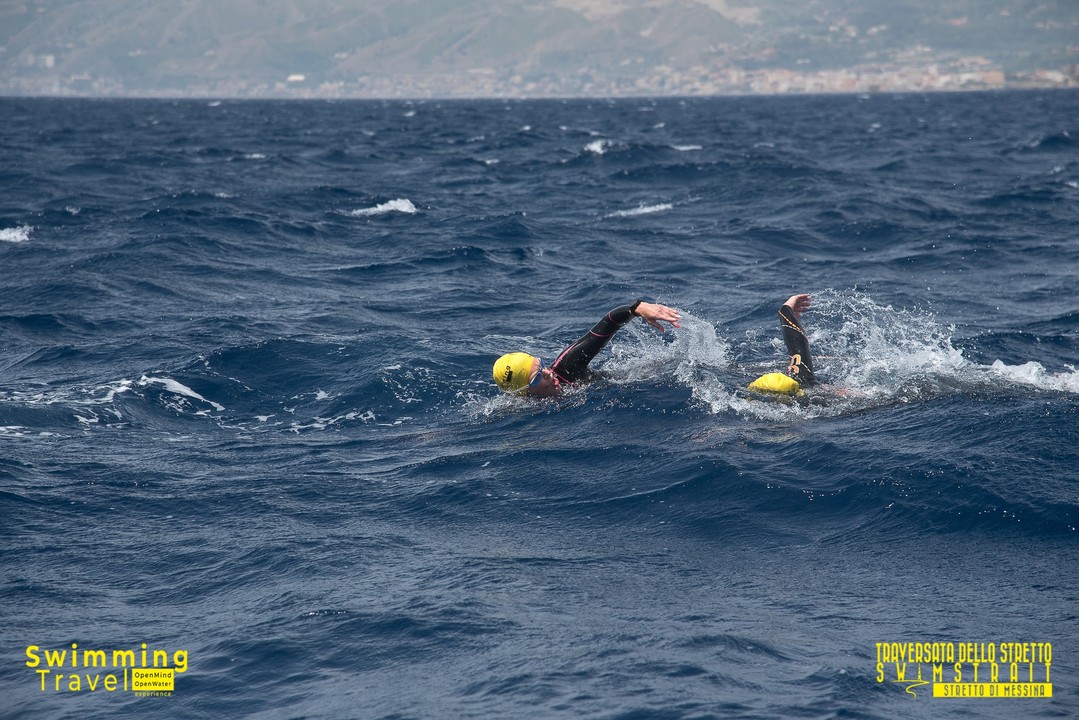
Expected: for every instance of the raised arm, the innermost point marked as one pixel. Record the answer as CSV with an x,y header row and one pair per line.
x,y
572,364
801,364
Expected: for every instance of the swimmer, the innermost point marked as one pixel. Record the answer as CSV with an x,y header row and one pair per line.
x,y
524,374
799,373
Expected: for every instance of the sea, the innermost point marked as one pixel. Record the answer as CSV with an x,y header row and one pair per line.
x,y
250,441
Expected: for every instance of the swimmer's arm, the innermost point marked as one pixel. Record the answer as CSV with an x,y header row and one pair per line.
x,y
794,337
572,364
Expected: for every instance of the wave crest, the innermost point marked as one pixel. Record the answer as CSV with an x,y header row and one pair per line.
x,y
400,205
16,234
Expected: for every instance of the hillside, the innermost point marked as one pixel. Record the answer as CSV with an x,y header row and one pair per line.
x,y
447,47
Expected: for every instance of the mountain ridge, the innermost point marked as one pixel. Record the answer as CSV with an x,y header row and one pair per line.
x,y
540,47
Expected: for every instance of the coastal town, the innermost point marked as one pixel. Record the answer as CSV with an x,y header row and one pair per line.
x,y
920,72
517,49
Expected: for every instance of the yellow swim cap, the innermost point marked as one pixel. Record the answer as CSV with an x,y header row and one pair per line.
x,y
776,383
511,371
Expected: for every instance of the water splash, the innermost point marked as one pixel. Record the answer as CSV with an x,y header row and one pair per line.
x,y
1033,374
694,355
862,344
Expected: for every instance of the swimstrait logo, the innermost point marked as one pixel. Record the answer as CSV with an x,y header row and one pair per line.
x,y
145,672
968,670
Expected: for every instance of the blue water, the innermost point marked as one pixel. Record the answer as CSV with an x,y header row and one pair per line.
x,y
246,408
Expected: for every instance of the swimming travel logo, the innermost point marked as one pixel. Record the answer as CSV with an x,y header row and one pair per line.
x,y
968,670
145,672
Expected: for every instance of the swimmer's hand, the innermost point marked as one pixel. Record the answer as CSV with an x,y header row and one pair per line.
x,y
799,304
655,315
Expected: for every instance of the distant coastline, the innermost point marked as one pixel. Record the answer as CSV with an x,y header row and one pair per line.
x,y
420,49
967,74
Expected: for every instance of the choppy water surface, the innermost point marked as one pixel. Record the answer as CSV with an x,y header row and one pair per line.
x,y
246,408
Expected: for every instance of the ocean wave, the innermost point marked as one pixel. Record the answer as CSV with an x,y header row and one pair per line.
x,y
178,388
641,153
158,402
1033,374
600,147
400,205
16,234
1053,142
641,210
296,403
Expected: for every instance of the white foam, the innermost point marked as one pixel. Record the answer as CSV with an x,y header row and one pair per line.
x,y
401,205
177,388
870,353
322,423
691,350
642,210
15,235
1034,374
599,147
76,395
687,148
116,389
879,347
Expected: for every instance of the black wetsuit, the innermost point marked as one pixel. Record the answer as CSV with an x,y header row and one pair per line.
x,y
572,365
801,365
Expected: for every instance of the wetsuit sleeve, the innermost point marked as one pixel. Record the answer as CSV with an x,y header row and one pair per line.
x,y
572,364
801,366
